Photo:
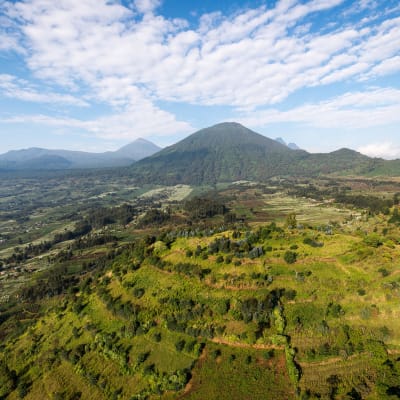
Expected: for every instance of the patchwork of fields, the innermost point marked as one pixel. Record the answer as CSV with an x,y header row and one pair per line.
x,y
287,297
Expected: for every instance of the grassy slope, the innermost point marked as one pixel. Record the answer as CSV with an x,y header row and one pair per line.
x,y
344,271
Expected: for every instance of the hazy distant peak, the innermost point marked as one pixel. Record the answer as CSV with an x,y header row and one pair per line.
x,y
292,146
142,140
138,149
38,158
281,141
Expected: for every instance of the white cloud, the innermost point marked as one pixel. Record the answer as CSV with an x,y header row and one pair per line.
x,y
361,110
9,39
386,67
387,150
239,60
12,87
146,6
134,122
8,42
254,58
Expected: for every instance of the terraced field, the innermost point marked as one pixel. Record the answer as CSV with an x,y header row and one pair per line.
x,y
212,309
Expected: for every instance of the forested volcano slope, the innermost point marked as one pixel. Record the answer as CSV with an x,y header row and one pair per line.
x,y
229,152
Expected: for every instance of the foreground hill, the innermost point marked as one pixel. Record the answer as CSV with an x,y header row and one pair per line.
x,y
38,158
230,152
270,309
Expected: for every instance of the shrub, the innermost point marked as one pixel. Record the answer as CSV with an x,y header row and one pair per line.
x,y
138,292
190,346
312,242
384,272
189,253
157,337
335,310
267,355
8,380
373,240
290,257
197,251
290,294
293,370
149,369
216,353
179,345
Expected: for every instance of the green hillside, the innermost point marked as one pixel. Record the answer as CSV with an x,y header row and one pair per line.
x,y
226,152
258,291
229,152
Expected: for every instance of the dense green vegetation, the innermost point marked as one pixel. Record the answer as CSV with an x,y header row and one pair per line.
x,y
279,290
230,152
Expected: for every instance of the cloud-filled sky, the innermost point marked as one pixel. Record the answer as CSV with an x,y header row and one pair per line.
x,y
96,74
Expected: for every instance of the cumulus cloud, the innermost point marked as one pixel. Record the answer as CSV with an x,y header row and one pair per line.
x,y
132,58
241,60
146,6
386,150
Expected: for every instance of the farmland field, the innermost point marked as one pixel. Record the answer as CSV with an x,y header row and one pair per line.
x,y
252,291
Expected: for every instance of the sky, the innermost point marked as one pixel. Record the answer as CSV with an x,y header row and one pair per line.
x,y
95,75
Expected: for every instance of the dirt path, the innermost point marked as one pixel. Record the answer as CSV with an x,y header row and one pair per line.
x,y
326,362
189,386
246,345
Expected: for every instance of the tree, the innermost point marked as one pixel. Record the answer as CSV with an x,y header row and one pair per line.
x,y
7,380
291,221
290,257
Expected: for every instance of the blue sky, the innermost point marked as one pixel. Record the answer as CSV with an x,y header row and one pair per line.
x,y
94,74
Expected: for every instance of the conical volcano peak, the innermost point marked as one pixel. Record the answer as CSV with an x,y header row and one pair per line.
x,y
226,135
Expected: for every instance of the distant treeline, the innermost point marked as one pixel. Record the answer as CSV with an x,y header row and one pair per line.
x,y
204,207
103,216
195,209
373,204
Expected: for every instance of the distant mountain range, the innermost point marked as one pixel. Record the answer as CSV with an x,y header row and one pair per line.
x,y
38,158
229,152
225,152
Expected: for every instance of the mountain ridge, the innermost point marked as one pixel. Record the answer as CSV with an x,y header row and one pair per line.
x,y
225,152
228,152
41,158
